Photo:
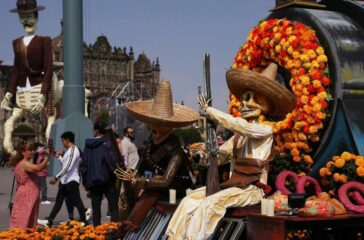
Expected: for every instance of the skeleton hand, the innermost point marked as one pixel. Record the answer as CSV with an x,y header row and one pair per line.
x,y
203,103
5,103
40,105
126,175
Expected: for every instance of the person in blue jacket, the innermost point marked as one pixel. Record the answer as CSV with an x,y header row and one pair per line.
x,y
97,171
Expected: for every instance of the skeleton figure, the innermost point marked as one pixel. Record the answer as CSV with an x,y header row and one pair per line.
x,y
197,215
32,81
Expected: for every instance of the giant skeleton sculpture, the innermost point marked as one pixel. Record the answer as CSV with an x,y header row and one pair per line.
x,y
198,215
33,81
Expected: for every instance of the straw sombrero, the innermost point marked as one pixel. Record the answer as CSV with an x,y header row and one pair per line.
x,y
161,110
26,6
239,81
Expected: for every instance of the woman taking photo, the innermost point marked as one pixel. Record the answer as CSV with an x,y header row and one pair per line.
x,y
26,202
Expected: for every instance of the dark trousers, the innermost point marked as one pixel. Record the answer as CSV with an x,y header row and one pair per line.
x,y
72,191
42,180
97,193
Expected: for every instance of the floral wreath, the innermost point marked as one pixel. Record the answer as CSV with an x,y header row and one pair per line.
x,y
294,46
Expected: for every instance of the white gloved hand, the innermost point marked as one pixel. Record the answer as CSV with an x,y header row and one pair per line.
x,y
5,103
40,105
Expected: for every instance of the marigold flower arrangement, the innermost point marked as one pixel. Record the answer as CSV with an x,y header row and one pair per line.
x,y
295,47
341,169
71,231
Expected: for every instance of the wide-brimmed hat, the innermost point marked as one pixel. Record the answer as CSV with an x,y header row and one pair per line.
x,y
282,101
161,110
26,6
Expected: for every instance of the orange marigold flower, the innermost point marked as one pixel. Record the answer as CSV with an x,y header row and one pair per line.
x,y
359,161
336,177
323,172
308,159
339,163
329,164
295,152
360,171
343,178
296,158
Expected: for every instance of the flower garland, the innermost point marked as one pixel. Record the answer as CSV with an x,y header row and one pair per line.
x,y
294,46
341,169
198,149
71,230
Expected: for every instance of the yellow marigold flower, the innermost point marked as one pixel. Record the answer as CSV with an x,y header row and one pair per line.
x,y
323,171
311,53
346,155
290,49
339,163
322,95
278,48
278,35
302,137
304,58
305,91
295,55
291,38
316,107
313,129
343,178
316,83
307,109
336,177
322,58
320,50
263,23
360,171
315,64
304,79
275,29
321,115
289,31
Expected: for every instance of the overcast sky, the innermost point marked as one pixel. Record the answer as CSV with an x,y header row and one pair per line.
x,y
179,32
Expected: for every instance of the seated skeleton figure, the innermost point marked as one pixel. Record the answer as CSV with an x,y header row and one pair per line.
x,y
197,215
163,156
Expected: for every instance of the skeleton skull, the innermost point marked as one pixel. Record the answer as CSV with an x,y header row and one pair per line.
x,y
159,133
29,21
252,105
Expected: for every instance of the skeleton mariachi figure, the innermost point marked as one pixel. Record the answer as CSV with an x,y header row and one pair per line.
x,y
197,215
32,71
163,155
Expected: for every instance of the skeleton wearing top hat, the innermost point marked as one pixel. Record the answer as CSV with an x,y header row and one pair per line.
x,y
197,215
32,71
163,154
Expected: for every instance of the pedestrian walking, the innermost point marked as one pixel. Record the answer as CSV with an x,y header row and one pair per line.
x,y
24,213
97,170
69,180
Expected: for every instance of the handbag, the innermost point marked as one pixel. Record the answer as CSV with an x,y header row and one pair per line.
x,y
10,205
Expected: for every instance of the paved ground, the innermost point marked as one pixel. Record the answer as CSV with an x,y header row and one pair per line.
x,y
6,178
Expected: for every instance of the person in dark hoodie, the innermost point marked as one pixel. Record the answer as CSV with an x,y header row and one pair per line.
x,y
97,167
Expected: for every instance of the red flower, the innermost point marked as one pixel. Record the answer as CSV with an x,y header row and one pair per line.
x,y
310,88
325,81
316,75
323,104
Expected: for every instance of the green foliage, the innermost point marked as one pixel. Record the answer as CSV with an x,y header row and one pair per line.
x,y
103,117
188,135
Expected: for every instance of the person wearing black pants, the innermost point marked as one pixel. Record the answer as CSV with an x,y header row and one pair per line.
x,y
97,171
69,180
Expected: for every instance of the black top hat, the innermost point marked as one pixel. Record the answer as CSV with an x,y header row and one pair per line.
x,y
26,6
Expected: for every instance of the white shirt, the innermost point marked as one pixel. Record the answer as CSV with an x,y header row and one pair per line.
x,y
70,163
129,152
28,87
256,139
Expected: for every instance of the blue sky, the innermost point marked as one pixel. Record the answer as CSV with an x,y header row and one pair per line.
x,y
178,32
